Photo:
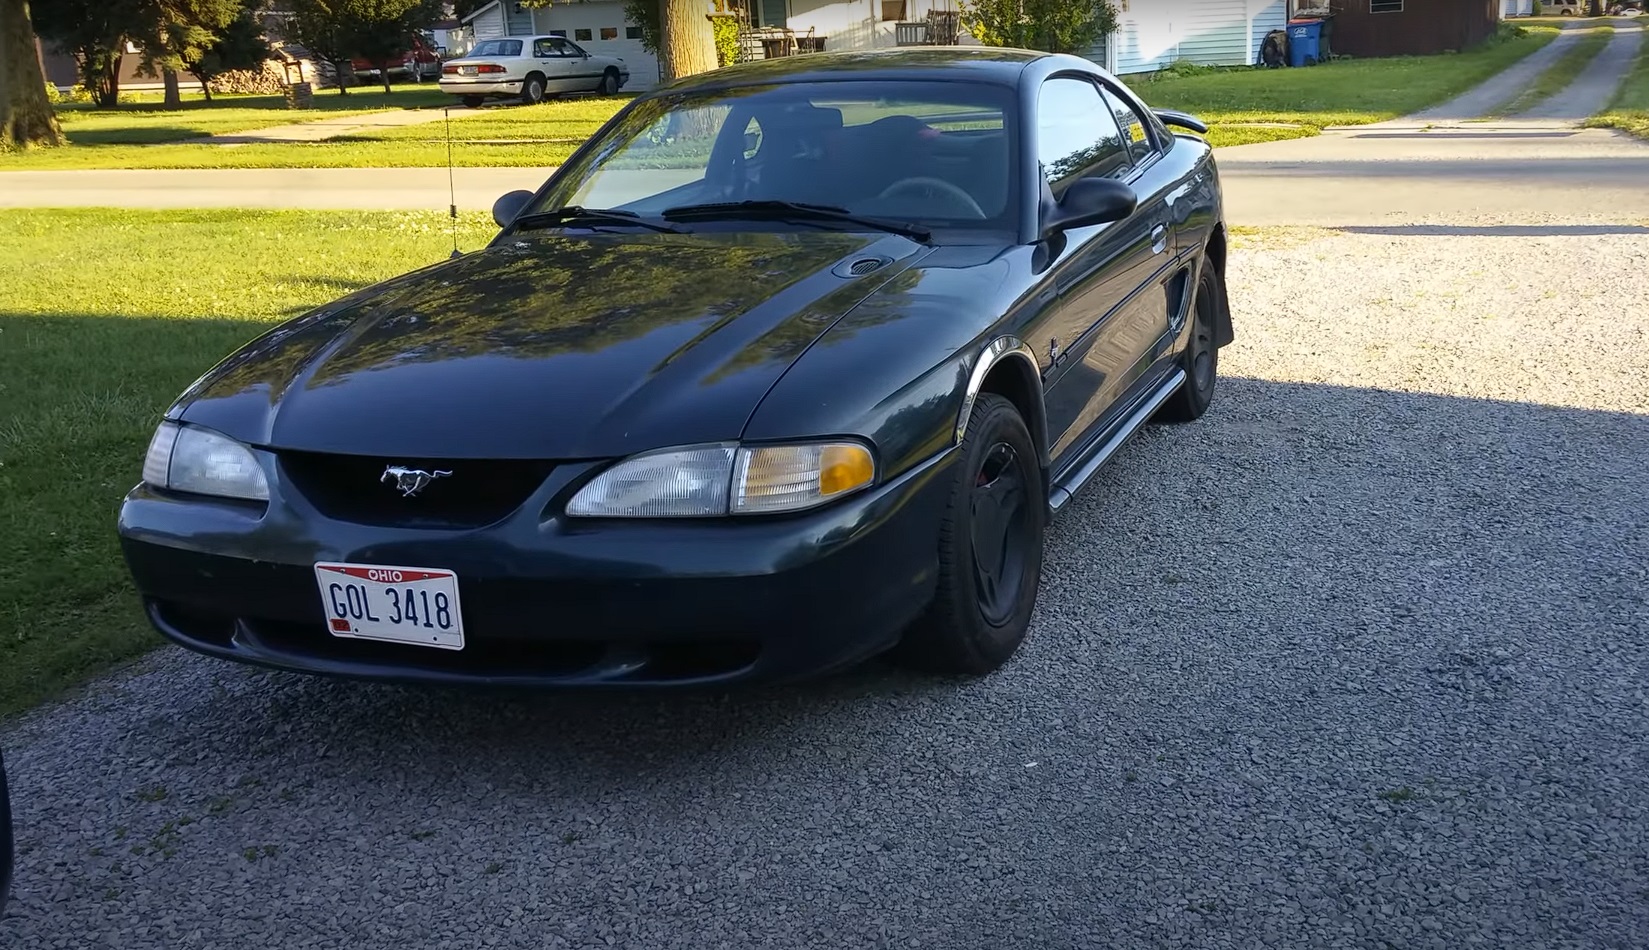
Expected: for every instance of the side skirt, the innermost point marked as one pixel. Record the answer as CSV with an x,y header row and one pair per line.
x,y
1104,449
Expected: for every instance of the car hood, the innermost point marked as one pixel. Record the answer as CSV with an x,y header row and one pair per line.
x,y
547,345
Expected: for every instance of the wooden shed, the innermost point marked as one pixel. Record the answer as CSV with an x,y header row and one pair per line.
x,y
1408,27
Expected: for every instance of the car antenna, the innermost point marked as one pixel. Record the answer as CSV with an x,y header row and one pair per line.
x,y
452,187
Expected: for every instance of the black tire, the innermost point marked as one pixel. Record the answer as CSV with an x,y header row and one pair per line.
x,y
473,102
981,610
609,83
532,91
1201,361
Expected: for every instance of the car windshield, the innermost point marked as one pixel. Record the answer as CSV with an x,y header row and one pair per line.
x,y
938,155
497,48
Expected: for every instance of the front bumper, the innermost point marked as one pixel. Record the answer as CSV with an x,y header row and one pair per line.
x,y
554,602
464,87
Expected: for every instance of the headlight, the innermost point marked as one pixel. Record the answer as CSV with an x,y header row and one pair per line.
x,y
190,459
714,480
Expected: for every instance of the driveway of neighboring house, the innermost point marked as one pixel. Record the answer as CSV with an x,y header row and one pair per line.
x,y
1357,660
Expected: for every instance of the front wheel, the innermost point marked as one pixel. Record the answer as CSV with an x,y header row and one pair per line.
x,y
609,83
990,549
1201,361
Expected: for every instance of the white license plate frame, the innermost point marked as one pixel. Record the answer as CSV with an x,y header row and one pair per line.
x,y
386,603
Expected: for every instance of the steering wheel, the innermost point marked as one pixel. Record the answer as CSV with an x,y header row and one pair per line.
x,y
922,187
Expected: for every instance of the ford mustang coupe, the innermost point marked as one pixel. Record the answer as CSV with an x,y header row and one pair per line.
x,y
787,366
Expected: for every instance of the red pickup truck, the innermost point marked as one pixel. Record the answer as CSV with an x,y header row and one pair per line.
x,y
421,61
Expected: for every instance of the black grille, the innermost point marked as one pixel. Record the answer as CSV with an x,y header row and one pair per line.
x,y
478,492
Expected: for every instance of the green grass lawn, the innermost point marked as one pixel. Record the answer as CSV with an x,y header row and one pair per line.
x,y
101,326
146,121
1346,92
1630,110
1342,92
1561,73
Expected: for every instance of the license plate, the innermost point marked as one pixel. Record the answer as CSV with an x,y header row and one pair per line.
x,y
466,70
411,605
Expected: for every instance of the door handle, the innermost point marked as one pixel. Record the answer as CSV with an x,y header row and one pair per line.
x,y
1159,239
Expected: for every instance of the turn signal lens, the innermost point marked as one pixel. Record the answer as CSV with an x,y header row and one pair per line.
x,y
793,477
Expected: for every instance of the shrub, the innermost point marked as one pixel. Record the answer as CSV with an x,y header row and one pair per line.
x,y
727,39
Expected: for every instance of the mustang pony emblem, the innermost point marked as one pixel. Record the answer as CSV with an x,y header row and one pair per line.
x,y
410,481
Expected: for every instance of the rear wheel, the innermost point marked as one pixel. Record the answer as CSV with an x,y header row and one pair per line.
x,y
474,102
609,83
990,550
1201,361
532,91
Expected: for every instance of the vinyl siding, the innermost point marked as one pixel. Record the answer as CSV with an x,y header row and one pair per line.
x,y
489,23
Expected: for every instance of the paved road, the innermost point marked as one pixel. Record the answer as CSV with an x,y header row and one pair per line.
x,y
1358,660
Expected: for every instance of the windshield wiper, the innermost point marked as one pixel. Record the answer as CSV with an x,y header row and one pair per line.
x,y
573,214
733,210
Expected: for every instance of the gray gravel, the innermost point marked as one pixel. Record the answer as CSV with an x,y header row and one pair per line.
x,y
1359,660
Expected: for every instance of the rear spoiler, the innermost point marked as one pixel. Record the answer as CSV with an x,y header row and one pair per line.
x,y
1182,119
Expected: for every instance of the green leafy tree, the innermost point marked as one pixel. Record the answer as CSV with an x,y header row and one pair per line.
x,y
181,34
26,116
1056,26
378,31
241,45
96,32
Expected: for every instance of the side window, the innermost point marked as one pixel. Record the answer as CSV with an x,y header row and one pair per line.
x,y
1077,134
1134,133
543,49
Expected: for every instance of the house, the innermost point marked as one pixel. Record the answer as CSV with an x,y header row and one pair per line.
x,y
1411,27
1151,34
596,25
1516,8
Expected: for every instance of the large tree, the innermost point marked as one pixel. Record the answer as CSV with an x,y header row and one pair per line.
x,y
686,43
96,32
241,45
181,32
1055,26
26,116
378,31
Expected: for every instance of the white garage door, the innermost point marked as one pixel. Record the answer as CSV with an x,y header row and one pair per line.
x,y
599,27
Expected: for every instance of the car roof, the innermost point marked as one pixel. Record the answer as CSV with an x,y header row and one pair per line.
x,y
942,63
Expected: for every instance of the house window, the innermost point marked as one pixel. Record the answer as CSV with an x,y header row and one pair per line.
x,y
609,32
560,33
581,35
1385,6
893,10
632,32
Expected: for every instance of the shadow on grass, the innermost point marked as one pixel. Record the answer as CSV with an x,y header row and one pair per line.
x,y
1354,514
138,135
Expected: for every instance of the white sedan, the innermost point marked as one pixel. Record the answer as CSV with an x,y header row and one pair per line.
x,y
530,68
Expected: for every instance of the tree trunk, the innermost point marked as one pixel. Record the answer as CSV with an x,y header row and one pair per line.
x,y
205,84
26,116
687,44
345,71
174,98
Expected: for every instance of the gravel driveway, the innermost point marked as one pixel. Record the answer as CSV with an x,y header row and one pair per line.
x,y
1358,660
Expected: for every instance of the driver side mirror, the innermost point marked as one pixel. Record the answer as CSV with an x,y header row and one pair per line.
x,y
1090,201
508,206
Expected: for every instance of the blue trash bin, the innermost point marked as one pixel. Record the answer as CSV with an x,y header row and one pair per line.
x,y
1305,39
